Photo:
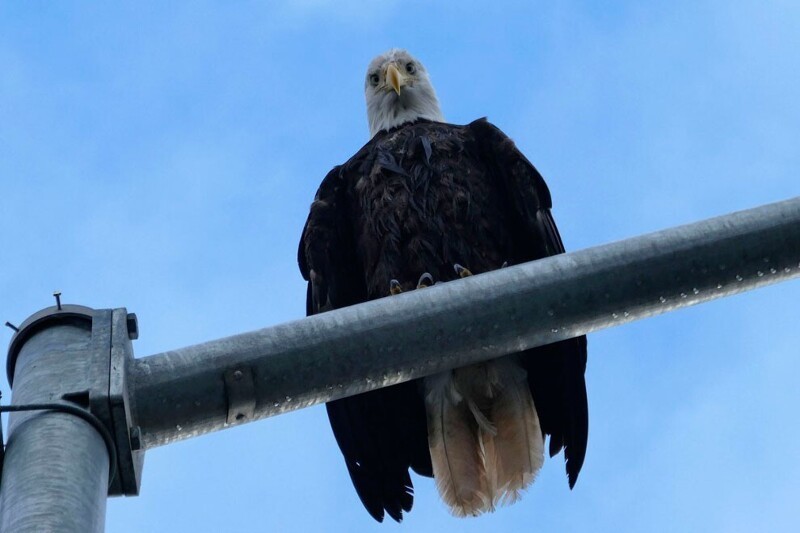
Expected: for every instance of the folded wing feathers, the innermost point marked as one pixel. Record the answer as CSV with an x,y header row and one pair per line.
x,y
485,440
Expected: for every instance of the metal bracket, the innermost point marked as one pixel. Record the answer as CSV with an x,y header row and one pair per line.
x,y
240,391
124,328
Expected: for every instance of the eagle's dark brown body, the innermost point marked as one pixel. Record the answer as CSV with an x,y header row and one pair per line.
x,y
420,198
426,203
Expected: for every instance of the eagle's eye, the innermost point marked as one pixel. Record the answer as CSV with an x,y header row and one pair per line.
x,y
374,79
411,68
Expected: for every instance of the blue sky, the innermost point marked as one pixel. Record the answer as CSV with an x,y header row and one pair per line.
x,y
162,156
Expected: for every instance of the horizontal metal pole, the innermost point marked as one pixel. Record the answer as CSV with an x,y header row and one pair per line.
x,y
183,393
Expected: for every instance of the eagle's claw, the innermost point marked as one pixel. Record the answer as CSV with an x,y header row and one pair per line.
x,y
425,280
394,287
461,271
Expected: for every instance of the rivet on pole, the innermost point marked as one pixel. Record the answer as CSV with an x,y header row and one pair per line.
x,y
57,294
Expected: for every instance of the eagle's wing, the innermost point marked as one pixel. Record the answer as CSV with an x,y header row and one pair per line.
x,y
380,433
555,371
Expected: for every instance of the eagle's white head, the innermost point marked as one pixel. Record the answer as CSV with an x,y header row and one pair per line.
x,y
398,90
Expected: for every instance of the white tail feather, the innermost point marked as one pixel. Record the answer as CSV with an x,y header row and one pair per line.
x,y
485,440
455,448
518,444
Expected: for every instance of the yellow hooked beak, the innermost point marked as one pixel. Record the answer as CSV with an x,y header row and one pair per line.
x,y
395,78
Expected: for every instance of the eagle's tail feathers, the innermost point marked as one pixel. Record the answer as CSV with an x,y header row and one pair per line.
x,y
455,448
518,445
484,435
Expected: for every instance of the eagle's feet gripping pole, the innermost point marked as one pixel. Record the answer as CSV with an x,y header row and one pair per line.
x,y
463,272
425,280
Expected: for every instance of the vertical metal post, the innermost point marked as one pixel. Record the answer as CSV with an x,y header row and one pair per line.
x,y
55,474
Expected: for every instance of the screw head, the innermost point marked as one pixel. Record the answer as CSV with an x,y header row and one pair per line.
x,y
136,438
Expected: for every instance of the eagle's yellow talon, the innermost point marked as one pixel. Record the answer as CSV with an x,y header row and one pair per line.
x,y
394,287
461,271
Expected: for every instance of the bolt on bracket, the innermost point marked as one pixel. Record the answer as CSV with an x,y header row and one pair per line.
x,y
240,391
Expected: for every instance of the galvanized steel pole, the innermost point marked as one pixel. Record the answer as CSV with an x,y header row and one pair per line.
x,y
194,390
69,443
56,468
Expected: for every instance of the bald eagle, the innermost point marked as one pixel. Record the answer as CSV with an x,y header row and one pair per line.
x,y
424,202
